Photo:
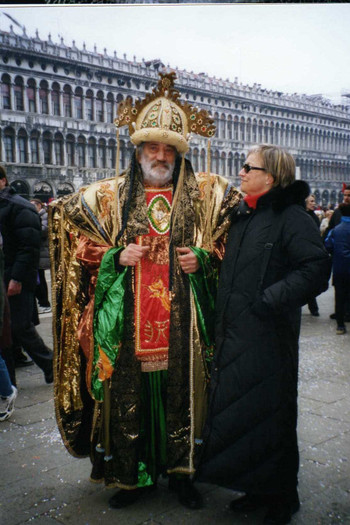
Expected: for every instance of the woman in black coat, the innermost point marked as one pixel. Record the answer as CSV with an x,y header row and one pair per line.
x,y
274,262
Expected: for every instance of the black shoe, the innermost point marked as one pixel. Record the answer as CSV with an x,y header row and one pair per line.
x,y
315,314
22,360
124,498
188,495
281,510
247,503
48,377
332,316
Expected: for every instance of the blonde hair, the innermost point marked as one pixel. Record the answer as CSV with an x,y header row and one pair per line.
x,y
278,162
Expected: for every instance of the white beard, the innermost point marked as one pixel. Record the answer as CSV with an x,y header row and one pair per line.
x,y
155,173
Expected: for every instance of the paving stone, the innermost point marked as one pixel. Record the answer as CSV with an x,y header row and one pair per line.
x,y
44,485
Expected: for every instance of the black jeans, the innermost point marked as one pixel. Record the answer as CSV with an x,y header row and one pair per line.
x,y
24,333
342,297
41,291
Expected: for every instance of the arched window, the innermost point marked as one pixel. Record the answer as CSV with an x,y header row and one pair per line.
x,y
81,148
34,147
70,143
222,128
31,95
18,91
9,143
229,127
111,154
242,129
42,190
195,159
64,188
230,165
55,99
249,130
110,108
255,126
6,92
44,98
203,160
22,146
78,103
59,149
92,153
67,101
223,163
21,188
89,107
101,154
235,128
99,107
47,147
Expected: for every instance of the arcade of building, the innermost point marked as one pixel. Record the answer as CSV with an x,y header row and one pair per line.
x,y
58,104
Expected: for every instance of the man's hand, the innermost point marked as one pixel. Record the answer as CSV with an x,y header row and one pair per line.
x,y
14,288
132,254
188,260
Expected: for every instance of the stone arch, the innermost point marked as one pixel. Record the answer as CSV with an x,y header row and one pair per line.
x,y
43,190
21,187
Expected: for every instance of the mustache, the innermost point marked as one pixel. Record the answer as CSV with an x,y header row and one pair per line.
x,y
162,163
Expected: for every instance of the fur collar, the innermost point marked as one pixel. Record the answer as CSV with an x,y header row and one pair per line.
x,y
280,198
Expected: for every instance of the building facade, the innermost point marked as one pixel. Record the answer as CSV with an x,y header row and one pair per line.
x,y
58,104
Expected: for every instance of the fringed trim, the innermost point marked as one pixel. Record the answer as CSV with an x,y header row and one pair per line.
x,y
207,236
118,220
176,199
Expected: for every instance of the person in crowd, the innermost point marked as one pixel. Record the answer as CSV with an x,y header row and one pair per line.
x,y
136,263
41,292
338,243
8,392
274,261
310,203
325,222
334,221
20,228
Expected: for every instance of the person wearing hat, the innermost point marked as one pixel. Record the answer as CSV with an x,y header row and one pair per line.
x,y
20,229
135,262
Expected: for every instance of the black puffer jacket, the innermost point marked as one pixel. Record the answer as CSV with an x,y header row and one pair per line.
x,y
21,231
250,439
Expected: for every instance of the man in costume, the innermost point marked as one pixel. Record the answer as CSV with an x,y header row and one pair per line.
x,y
134,262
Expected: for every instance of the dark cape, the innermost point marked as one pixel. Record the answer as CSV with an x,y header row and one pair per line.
x,y
250,440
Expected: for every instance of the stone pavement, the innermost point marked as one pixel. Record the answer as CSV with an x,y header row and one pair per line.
x,y
42,484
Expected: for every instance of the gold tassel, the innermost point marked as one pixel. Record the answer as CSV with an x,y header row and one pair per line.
x,y
207,235
117,222
177,198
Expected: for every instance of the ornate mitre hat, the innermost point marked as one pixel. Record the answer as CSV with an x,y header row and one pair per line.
x,y
162,117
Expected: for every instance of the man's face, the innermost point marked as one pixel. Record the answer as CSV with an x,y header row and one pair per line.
x,y
2,183
346,196
157,162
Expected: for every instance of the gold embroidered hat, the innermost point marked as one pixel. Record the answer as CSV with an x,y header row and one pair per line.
x,y
162,117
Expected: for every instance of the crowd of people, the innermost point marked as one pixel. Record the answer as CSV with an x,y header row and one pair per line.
x,y
177,308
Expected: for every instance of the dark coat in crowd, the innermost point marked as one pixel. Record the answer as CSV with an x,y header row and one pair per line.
x,y
20,228
338,243
250,441
44,261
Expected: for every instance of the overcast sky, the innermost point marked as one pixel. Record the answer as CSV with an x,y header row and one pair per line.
x,y
292,48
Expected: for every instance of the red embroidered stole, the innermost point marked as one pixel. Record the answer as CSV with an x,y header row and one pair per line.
x,y
152,300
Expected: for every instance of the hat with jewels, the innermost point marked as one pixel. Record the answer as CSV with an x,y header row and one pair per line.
x,y
162,117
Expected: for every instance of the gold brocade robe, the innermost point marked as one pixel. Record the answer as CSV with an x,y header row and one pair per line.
x,y
83,227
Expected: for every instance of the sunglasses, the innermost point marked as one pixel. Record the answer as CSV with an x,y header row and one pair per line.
x,y
248,168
